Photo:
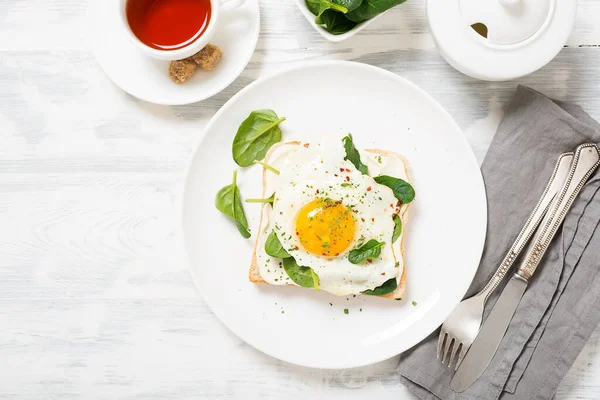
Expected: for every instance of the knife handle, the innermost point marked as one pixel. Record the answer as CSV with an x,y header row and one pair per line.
x,y
585,162
555,184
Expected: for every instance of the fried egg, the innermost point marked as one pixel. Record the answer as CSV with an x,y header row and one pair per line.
x,y
323,208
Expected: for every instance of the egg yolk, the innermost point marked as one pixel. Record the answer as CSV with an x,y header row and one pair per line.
x,y
325,227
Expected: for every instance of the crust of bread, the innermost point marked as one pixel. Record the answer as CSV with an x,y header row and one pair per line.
x,y
254,273
401,280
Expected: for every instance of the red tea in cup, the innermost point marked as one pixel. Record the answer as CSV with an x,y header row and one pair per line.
x,y
168,24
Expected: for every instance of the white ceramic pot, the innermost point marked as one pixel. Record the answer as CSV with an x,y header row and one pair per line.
x,y
521,36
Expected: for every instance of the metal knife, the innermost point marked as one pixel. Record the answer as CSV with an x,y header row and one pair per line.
x,y
585,162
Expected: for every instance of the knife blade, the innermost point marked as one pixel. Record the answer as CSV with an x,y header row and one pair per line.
x,y
483,349
489,337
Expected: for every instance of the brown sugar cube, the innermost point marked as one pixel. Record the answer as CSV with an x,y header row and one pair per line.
x,y
181,70
208,57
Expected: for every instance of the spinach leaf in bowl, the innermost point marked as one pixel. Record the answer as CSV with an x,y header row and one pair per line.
x,y
318,6
313,6
255,136
331,14
302,276
350,5
386,288
336,23
371,8
229,203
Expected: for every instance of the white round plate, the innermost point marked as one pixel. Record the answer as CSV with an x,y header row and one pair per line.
x,y
445,229
148,79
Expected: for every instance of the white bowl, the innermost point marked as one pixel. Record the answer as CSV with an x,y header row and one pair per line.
x,y
334,38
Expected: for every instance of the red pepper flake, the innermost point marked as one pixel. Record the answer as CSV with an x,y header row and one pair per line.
x,y
362,219
369,260
297,233
372,219
306,145
348,170
337,254
383,274
296,247
335,174
342,169
347,178
280,212
391,205
317,191
369,189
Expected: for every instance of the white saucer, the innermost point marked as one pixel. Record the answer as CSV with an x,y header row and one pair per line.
x,y
148,79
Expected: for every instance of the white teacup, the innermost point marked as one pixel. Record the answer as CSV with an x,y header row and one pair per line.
x,y
188,50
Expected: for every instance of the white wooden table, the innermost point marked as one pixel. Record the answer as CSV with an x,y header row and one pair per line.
x,y
95,298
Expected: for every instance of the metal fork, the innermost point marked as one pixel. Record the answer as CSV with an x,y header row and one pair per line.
x,y
461,327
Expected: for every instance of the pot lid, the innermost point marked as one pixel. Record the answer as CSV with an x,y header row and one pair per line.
x,y
506,21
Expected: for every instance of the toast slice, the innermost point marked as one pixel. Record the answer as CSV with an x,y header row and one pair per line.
x,y
398,248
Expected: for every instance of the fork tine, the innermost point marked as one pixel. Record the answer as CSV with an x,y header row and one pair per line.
x,y
447,347
441,343
454,351
463,351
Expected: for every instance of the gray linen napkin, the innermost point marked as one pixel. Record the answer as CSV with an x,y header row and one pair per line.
x,y
561,307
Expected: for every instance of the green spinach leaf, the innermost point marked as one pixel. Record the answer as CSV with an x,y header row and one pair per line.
x,y
402,189
370,8
371,249
274,248
302,276
313,6
350,5
397,228
331,14
316,281
386,288
267,166
255,136
228,201
269,200
336,23
353,155
318,6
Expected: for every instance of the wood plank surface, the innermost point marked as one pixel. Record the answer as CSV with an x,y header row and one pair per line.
x,y
96,301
